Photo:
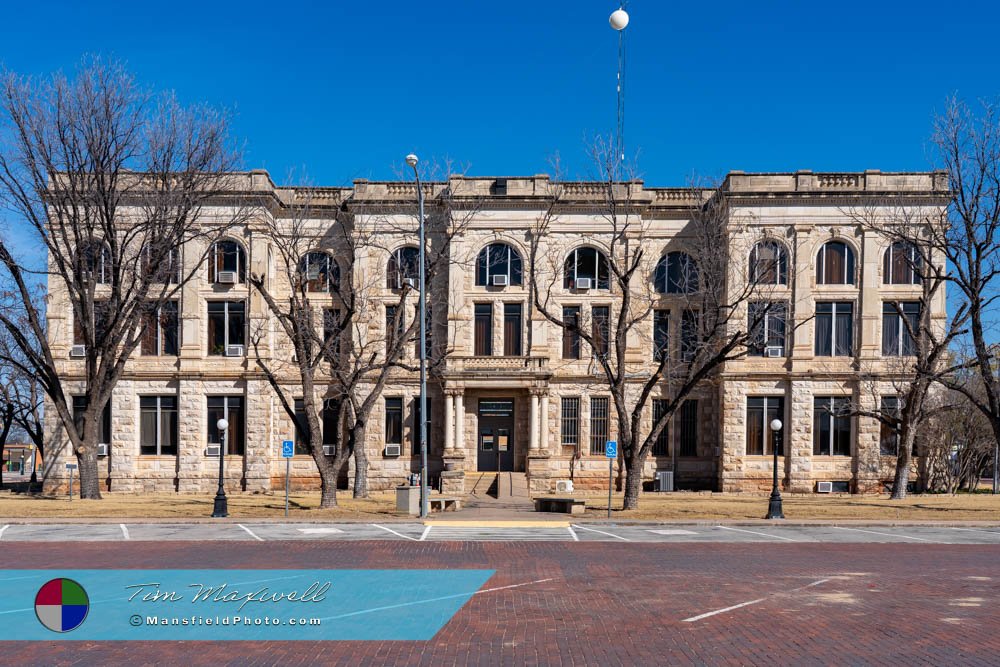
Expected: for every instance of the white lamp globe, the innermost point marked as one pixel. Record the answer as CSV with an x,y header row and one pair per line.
x,y
222,424
411,160
618,19
775,424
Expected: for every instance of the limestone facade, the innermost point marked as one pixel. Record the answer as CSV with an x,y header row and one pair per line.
x,y
535,403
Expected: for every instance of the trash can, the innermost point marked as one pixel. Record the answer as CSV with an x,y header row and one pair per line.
x,y
408,499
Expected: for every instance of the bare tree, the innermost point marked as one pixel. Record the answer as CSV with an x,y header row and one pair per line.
x,y
338,270
956,441
915,345
110,182
967,144
702,279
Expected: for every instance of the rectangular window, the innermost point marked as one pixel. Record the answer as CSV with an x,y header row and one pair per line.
x,y
512,329
889,435
601,329
571,332
834,329
160,329
570,427
831,426
689,334
331,333
484,329
331,424
80,405
394,421
689,428
661,446
226,325
229,408
100,324
598,424
896,338
158,425
301,429
416,425
766,323
761,411
393,331
661,331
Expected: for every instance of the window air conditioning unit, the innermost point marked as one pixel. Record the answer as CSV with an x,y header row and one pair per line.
x,y
499,280
824,487
78,351
103,448
774,351
564,486
212,450
665,480
584,283
329,450
393,450
235,350
408,282
226,278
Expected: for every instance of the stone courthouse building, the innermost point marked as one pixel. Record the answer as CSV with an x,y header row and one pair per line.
x,y
514,392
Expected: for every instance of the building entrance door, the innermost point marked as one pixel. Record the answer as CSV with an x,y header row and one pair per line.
x,y
496,435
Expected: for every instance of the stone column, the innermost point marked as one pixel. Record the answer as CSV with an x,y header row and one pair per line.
x,y
460,423
449,422
543,423
533,427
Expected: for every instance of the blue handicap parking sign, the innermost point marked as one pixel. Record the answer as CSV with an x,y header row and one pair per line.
x,y
288,449
611,449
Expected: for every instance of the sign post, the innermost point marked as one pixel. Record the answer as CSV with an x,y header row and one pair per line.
x,y
610,451
71,467
287,452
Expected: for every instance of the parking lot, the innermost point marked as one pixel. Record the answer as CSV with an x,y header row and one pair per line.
x,y
485,531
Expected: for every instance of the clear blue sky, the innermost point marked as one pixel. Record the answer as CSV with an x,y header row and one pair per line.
x,y
342,90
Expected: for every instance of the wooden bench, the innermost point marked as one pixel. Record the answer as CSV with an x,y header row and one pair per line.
x,y
443,504
564,505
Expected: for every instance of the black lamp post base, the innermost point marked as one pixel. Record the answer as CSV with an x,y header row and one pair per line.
x,y
221,508
774,507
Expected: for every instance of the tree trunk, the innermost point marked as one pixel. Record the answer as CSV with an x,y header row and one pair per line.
x,y
360,463
90,483
633,482
903,460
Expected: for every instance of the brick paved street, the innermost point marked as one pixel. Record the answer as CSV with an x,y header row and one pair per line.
x,y
607,603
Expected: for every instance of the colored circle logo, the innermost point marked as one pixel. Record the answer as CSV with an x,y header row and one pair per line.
x,y
61,605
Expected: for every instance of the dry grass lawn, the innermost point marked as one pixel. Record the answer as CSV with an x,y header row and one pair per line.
x,y
175,506
696,506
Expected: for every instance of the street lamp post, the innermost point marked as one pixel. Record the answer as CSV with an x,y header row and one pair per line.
x,y
221,509
412,160
774,508
619,21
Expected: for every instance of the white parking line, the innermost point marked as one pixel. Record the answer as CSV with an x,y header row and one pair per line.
x,y
594,530
405,537
974,530
747,604
252,534
3,529
423,535
320,531
572,532
124,531
875,532
754,532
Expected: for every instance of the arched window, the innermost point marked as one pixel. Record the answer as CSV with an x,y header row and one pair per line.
x,y
498,264
95,259
769,264
902,264
319,272
676,273
586,268
835,264
403,266
166,270
227,263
